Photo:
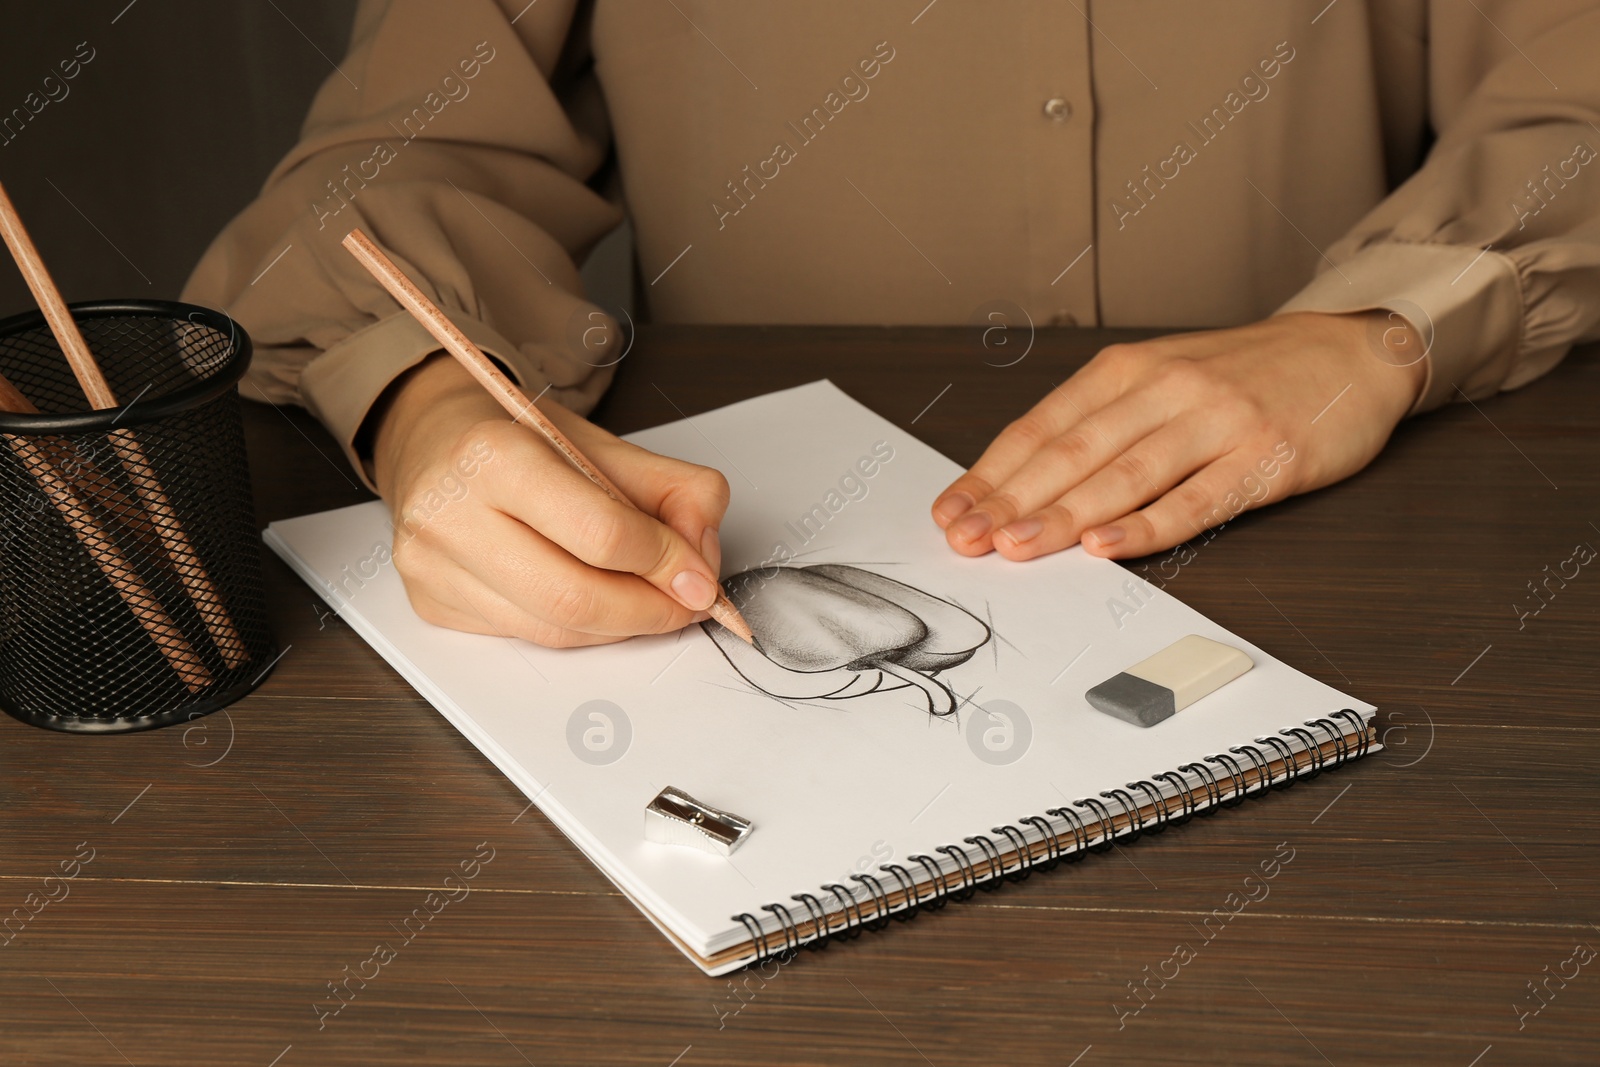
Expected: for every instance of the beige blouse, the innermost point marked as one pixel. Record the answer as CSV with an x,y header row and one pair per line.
x,y
1150,163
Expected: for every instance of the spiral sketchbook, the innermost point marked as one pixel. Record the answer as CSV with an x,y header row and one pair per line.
x,y
915,729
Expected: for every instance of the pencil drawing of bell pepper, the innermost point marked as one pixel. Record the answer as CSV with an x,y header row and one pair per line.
x,y
833,631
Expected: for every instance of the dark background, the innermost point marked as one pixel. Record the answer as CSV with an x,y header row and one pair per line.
x,y
166,134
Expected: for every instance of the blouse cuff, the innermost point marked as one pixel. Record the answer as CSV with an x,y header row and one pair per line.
x,y
340,386
1466,303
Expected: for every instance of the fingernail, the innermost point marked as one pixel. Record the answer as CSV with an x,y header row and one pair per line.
x,y
954,506
1023,530
972,526
694,590
711,549
1107,535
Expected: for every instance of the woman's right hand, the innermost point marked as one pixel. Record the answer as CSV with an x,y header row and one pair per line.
x,y
496,533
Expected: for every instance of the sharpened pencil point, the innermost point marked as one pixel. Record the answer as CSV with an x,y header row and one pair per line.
x,y
728,615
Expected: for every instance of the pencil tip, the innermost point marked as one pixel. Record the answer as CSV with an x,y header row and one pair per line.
x,y
728,615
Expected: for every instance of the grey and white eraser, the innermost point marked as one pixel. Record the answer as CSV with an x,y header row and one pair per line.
x,y
1169,681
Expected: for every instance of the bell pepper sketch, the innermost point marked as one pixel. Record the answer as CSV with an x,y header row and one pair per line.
x,y
833,631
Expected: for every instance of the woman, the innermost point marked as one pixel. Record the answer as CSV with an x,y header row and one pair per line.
x,y
1370,209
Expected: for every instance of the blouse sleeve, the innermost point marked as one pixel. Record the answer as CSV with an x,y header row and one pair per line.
x,y
462,138
1492,249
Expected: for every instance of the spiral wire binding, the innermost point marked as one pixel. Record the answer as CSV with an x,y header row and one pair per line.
x,y
997,866
879,898
1024,853
1108,826
819,915
969,876
1080,835
1149,790
1236,773
1315,750
1348,744
1363,741
941,895
847,903
1291,762
790,930
1340,744
1174,779
1052,843
908,886
1213,789
757,937
1130,807
1263,774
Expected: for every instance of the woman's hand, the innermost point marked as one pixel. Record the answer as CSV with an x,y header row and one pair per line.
x,y
1151,443
496,533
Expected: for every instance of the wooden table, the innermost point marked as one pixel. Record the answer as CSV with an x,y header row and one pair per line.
x,y
240,864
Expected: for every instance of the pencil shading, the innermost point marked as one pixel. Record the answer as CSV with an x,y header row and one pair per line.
x,y
835,631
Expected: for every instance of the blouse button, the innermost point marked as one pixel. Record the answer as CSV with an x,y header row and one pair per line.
x,y
1058,109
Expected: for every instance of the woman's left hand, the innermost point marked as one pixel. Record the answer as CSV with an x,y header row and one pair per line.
x,y
1153,442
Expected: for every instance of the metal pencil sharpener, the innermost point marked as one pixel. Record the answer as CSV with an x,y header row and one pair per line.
x,y
676,818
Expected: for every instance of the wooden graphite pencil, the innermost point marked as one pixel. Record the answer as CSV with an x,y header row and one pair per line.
x,y
80,470
191,570
505,391
144,604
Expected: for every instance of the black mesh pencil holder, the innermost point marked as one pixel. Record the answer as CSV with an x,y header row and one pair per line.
x,y
130,568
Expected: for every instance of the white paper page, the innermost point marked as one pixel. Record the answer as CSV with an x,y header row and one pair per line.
x,y
833,786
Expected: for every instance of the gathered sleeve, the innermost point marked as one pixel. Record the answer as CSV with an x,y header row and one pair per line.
x,y
1491,250
463,138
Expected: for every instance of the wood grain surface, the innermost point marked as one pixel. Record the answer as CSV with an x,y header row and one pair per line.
x,y
242,862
